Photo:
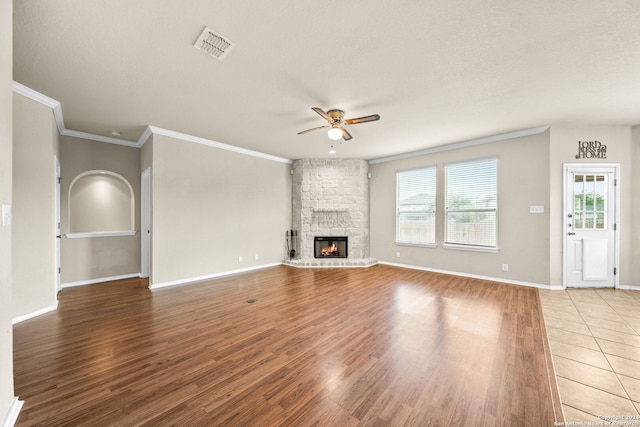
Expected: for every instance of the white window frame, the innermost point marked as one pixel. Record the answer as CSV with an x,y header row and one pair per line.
x,y
429,188
471,246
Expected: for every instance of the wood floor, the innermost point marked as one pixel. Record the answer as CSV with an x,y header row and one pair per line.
x,y
328,347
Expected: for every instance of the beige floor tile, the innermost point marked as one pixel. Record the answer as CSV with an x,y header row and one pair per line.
x,y
591,382
584,295
565,316
577,327
634,323
601,379
632,386
628,367
592,401
550,308
581,340
614,325
621,350
600,315
629,312
579,354
599,305
577,416
608,334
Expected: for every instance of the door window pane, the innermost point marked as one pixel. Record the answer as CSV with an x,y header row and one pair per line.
x,y
589,202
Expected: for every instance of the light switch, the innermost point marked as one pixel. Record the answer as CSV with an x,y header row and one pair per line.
x,y
6,215
536,209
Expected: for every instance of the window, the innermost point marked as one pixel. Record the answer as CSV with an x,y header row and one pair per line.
x,y
590,202
416,206
471,203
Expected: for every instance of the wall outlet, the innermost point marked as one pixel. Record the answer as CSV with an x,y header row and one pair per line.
x,y
397,254
257,257
505,267
240,258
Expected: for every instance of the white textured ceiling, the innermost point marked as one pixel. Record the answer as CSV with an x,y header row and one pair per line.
x,y
437,72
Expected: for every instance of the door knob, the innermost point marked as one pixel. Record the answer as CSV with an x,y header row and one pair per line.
x,y
571,234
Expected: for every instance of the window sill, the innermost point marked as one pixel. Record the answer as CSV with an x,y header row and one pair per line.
x,y
421,245
471,248
100,234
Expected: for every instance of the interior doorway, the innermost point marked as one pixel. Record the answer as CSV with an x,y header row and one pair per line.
x,y
591,200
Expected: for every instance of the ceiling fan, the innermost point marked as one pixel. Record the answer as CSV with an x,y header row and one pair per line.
x,y
337,122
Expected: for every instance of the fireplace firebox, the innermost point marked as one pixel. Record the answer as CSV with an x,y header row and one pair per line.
x,y
330,246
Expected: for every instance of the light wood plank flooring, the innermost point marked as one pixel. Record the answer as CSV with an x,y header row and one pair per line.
x,y
328,347
595,342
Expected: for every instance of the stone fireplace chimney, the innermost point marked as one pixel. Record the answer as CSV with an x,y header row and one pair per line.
x,y
330,197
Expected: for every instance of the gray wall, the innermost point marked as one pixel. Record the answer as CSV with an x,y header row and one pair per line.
x,y
563,149
523,180
634,234
36,144
6,130
87,259
211,206
530,172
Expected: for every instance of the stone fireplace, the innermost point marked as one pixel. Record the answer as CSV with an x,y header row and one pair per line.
x,y
330,198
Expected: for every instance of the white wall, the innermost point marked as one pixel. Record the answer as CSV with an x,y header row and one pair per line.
x,y
6,130
211,206
36,142
523,180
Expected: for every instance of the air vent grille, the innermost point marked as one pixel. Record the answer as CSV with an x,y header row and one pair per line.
x,y
213,43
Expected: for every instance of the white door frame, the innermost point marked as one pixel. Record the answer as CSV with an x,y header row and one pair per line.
x,y
145,224
57,230
565,224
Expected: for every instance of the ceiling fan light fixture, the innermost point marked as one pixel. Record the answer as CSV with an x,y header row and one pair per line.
x,y
335,133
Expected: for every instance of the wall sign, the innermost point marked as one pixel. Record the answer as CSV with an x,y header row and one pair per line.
x,y
591,150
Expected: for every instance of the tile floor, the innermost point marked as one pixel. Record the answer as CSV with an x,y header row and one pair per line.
x,y
594,337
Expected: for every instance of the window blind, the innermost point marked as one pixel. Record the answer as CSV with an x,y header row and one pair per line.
x,y
471,198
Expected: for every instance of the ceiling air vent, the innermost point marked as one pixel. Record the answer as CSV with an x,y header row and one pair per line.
x,y
213,43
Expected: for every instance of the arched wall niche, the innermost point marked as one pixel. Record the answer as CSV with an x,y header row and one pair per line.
x,y
101,203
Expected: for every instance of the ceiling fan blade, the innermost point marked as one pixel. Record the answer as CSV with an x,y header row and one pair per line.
x,y
346,135
323,114
311,130
371,118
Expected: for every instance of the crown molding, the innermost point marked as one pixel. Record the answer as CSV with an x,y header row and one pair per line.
x,y
100,138
149,130
197,140
27,92
463,144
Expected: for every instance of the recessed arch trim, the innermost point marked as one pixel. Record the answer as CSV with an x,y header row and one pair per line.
x,y
101,203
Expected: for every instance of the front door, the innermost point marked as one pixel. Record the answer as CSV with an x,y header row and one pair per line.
x,y
590,226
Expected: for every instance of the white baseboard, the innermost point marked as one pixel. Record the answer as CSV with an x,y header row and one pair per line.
x,y
473,276
100,280
628,287
190,280
11,416
36,313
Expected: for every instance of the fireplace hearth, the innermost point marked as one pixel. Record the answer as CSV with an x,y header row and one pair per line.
x,y
330,246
